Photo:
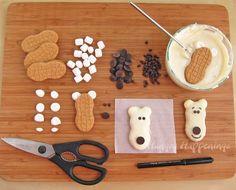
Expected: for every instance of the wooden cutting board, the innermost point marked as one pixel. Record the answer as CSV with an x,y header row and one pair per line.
x,y
120,26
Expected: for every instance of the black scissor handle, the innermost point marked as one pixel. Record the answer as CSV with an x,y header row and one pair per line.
x,y
68,167
74,148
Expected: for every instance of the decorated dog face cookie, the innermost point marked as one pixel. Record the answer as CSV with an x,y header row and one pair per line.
x,y
139,136
84,118
195,114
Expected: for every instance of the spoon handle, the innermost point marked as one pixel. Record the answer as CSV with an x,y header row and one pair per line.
x,y
158,25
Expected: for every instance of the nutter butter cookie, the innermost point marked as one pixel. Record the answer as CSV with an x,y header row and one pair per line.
x,y
84,104
200,59
41,71
46,52
32,42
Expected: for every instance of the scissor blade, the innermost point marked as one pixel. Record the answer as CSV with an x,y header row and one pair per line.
x,y
31,146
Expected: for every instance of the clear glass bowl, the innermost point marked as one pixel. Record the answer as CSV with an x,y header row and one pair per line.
x,y
220,80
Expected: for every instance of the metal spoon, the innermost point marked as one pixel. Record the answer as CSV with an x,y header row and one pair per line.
x,y
160,27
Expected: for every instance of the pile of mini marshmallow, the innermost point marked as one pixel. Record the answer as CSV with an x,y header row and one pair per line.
x,y
87,56
40,107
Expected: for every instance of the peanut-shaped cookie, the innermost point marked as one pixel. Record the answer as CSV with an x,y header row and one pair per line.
x,y
46,52
84,104
32,42
200,59
41,71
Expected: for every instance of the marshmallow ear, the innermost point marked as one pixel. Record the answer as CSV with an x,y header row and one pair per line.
x,y
203,103
75,95
188,103
147,110
92,94
132,110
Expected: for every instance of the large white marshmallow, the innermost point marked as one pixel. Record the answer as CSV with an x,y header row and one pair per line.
x,y
88,40
92,69
77,53
87,77
79,41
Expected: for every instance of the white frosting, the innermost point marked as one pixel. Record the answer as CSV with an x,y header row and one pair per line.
x,y
196,36
195,115
139,127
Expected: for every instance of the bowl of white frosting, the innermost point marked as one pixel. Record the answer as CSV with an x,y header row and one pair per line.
x,y
196,36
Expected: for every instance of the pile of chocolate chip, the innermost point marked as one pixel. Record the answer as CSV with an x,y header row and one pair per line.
x,y
151,68
121,71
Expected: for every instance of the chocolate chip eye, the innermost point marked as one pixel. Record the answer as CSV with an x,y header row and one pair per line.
x,y
144,118
139,118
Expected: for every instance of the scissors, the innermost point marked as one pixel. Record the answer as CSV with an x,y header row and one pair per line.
x,y
56,153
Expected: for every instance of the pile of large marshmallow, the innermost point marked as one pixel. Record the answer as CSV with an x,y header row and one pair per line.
x,y
87,56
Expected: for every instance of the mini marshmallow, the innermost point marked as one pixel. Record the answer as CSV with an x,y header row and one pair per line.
x,y
88,40
76,71
84,56
40,93
77,53
54,129
39,129
55,121
70,64
101,45
40,107
79,41
39,117
92,69
54,94
87,77
92,59
78,78
214,52
84,48
92,94
55,107
90,49
86,63
79,64
98,52
75,95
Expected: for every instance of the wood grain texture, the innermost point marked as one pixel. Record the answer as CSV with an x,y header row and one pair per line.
x,y
120,26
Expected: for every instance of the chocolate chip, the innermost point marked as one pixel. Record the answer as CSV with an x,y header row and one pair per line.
x,y
151,68
112,70
120,73
140,140
196,130
145,83
119,66
146,42
138,65
113,62
116,55
119,84
109,105
128,79
105,115
113,77
127,63
127,68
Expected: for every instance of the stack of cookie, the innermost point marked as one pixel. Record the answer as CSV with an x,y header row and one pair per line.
x,y
40,61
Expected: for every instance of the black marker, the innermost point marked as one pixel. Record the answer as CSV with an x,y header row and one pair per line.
x,y
192,161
